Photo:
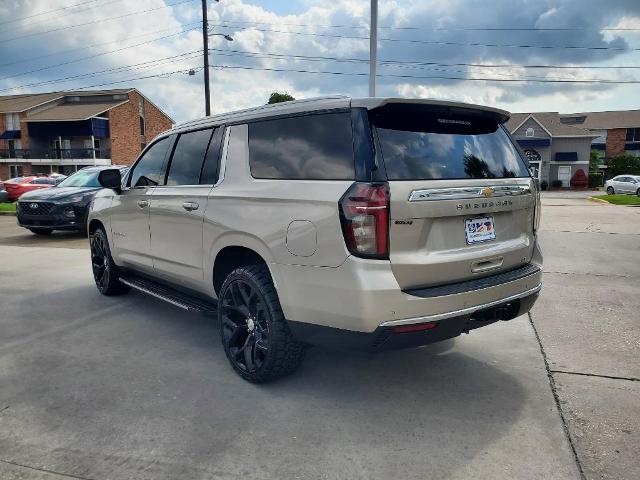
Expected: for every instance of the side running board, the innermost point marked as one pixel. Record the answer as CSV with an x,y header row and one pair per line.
x,y
170,295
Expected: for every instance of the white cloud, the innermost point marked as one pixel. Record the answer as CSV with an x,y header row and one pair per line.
x,y
181,95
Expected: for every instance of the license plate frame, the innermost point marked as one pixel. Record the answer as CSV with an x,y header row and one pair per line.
x,y
479,229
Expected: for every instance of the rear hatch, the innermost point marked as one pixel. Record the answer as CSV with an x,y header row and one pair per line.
x,y
462,200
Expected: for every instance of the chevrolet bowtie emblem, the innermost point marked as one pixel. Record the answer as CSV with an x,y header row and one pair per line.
x,y
487,192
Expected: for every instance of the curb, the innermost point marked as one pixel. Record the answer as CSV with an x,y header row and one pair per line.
x,y
599,200
8,214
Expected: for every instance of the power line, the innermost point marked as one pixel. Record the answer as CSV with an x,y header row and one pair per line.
x,y
438,42
409,62
596,81
47,12
93,56
148,64
94,21
392,27
85,47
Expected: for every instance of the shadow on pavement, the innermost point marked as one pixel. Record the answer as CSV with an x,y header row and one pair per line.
x,y
144,390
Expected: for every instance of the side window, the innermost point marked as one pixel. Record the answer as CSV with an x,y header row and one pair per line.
x,y
188,155
148,171
311,147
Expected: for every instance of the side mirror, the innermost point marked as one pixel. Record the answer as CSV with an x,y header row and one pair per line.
x,y
110,178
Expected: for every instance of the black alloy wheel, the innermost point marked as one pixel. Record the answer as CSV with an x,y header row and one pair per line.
x,y
255,335
99,262
610,191
105,271
245,326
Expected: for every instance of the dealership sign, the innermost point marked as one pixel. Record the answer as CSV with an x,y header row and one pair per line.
x,y
532,155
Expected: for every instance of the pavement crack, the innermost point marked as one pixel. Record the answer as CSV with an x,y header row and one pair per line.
x,y
45,470
552,384
4,408
611,377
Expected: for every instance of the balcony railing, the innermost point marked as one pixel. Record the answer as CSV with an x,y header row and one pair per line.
x,y
55,153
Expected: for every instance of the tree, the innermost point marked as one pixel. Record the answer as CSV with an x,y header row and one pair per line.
x,y
623,164
594,161
277,97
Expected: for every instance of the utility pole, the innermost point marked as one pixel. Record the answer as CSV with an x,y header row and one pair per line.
x,y
373,47
205,46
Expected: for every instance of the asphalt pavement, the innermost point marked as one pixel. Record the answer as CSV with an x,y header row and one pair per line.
x,y
128,387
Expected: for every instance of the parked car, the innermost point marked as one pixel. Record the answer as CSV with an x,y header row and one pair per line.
x,y
4,196
63,207
623,184
15,187
358,223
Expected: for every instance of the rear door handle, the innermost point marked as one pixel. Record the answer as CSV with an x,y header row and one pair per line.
x,y
143,203
189,206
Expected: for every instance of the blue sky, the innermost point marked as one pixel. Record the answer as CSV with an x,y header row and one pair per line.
x,y
453,49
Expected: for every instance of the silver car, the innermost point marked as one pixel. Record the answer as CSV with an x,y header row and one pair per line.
x,y
623,184
372,223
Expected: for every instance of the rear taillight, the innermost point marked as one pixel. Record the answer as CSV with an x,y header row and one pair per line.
x,y
364,214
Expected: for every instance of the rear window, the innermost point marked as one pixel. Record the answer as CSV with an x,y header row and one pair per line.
x,y
311,147
431,145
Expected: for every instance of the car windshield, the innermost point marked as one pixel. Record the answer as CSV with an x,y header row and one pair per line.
x,y
83,178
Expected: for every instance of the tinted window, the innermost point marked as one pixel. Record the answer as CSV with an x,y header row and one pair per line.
x,y
148,171
187,159
428,145
316,147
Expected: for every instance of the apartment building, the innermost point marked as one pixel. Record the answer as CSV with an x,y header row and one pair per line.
x,y
60,132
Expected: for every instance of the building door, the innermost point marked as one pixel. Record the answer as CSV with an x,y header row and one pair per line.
x,y
564,175
534,168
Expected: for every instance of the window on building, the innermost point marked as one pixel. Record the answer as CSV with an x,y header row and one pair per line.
x,y
312,147
529,132
120,96
188,156
149,170
73,99
633,134
12,121
141,125
16,171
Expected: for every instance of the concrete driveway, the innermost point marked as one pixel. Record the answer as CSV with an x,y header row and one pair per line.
x,y
588,321
129,387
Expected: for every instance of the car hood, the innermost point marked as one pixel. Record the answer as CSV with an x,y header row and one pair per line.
x,y
57,193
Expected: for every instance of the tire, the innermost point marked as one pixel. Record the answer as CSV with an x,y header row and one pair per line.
x,y
638,192
610,191
105,271
41,231
253,330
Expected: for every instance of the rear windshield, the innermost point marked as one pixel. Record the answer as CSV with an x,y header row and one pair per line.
x,y
434,145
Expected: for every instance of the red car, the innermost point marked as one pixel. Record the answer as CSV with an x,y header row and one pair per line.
x,y
17,186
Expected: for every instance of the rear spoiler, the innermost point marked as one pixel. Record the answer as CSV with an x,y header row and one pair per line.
x,y
393,104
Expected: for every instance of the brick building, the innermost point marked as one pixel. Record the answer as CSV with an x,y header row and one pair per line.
x,y
60,132
618,132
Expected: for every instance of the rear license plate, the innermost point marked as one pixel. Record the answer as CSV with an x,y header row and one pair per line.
x,y
478,230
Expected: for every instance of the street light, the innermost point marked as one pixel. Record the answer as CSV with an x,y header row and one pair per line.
x,y
205,45
207,88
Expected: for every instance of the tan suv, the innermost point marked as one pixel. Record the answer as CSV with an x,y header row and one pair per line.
x,y
375,223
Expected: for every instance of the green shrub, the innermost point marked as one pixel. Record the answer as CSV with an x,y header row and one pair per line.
x,y
596,180
623,165
556,183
